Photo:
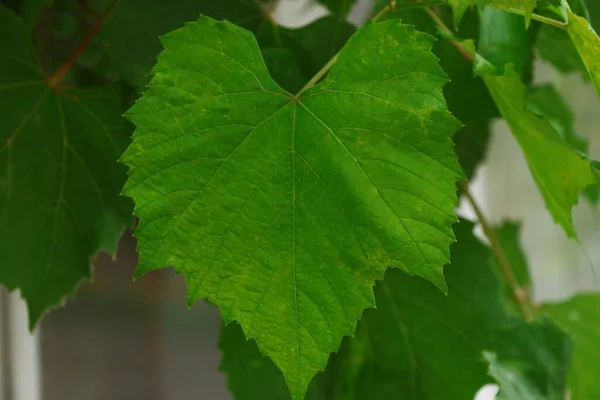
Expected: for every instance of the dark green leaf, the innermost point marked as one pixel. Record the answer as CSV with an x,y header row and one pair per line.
x,y
547,102
283,67
503,39
587,43
560,172
555,46
524,6
59,179
313,45
579,316
467,96
284,210
530,361
420,344
132,40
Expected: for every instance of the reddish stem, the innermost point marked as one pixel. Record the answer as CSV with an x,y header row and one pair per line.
x,y
55,79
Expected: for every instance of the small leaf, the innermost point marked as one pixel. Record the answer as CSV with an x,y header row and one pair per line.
x,y
560,172
503,39
461,6
525,6
580,318
546,102
587,43
284,210
530,361
555,46
59,176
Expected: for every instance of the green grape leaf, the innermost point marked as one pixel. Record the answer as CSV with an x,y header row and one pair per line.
x,y
59,176
560,172
530,361
410,345
406,348
503,39
132,40
579,317
555,46
466,94
587,43
548,103
252,376
459,7
284,210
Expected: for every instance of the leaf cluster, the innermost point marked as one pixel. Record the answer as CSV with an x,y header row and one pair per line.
x,y
305,181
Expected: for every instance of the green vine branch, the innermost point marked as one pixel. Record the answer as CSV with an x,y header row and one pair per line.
x,y
55,80
537,17
520,294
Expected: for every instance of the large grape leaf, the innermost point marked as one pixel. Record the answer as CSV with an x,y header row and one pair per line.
x,y
132,40
580,318
59,176
466,94
407,347
252,376
284,210
417,344
560,172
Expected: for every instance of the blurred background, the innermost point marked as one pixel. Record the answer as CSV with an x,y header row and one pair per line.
x,y
124,340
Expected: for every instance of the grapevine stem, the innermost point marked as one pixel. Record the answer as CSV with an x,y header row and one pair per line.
x,y
459,46
55,79
537,17
519,293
